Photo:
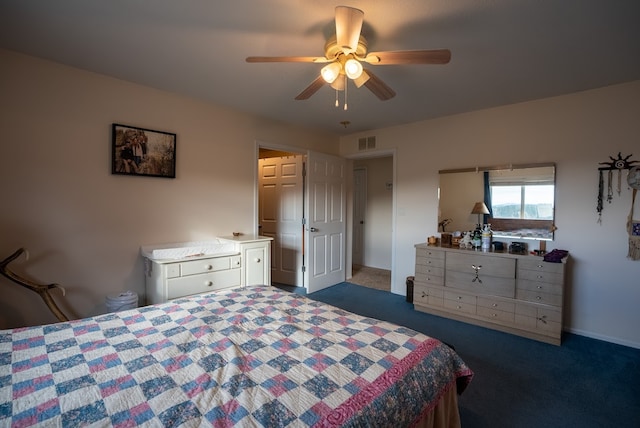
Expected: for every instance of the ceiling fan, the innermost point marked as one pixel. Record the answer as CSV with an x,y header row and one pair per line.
x,y
347,50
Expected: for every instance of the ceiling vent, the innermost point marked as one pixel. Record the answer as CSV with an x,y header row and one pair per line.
x,y
366,143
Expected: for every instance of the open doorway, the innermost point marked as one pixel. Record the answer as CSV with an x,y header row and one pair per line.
x,y
372,230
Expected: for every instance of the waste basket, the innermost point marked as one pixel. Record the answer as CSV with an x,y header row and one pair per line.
x,y
410,280
121,301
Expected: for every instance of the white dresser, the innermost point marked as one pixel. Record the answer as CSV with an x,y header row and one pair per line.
x,y
519,294
183,269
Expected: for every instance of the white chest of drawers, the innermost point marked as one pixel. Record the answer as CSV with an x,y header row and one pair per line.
x,y
518,294
244,261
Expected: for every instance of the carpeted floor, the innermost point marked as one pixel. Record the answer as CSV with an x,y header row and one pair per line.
x,y
371,277
518,382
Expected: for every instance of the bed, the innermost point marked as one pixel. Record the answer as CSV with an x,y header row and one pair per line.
x,y
256,356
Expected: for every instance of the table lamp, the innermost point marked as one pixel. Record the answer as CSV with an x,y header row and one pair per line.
x,y
481,209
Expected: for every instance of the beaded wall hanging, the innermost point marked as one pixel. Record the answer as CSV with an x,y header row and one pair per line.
x,y
617,164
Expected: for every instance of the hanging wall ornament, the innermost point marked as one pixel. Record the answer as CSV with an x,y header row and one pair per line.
x,y
616,164
600,190
633,226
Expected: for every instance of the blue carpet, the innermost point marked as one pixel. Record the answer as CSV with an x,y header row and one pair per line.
x,y
518,382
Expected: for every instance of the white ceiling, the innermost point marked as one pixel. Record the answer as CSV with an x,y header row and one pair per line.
x,y
503,51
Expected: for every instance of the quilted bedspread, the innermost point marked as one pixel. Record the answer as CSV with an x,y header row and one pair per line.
x,y
251,357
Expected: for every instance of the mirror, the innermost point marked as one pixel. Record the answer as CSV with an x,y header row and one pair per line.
x,y
520,199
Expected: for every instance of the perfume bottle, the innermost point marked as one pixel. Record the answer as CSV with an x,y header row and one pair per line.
x,y
486,237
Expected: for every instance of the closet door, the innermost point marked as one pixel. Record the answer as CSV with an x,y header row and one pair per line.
x,y
280,214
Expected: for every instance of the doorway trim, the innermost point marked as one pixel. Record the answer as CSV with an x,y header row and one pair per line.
x,y
383,153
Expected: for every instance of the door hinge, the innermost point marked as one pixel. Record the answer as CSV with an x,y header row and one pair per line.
x,y
304,268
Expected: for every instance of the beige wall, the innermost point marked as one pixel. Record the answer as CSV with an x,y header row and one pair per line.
x,y
576,132
82,225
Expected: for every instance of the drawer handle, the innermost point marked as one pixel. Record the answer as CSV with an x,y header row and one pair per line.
x,y
540,266
459,297
476,269
494,315
257,260
495,305
424,295
459,307
208,283
542,319
540,277
539,287
208,267
538,298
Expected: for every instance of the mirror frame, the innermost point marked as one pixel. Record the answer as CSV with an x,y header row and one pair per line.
x,y
515,229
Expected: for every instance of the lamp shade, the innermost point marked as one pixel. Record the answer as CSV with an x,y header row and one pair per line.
x,y
480,208
330,72
352,68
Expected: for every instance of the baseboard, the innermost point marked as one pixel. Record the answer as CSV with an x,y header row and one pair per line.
x,y
605,338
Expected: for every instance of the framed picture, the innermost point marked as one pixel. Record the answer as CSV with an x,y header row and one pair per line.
x,y
139,151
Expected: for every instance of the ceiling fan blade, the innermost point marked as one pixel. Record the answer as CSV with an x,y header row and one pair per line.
x,y
348,27
311,89
315,59
378,87
433,56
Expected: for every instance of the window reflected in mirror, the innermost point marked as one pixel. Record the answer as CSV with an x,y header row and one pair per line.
x,y
520,200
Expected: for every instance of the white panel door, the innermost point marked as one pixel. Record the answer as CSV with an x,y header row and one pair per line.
x,y
280,214
325,231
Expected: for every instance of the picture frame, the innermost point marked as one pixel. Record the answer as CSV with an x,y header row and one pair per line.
x,y
142,152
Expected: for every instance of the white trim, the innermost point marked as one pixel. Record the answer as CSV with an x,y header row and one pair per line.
x,y
604,338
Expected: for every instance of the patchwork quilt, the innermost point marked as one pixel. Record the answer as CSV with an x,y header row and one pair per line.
x,y
252,357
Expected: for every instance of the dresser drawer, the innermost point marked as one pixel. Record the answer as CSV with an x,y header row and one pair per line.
x,y
423,294
540,276
497,304
429,262
538,264
495,315
465,308
429,253
460,297
539,297
430,275
542,287
203,283
540,318
195,267
502,267
496,286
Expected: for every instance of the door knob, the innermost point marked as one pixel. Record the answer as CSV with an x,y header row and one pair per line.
x,y
313,229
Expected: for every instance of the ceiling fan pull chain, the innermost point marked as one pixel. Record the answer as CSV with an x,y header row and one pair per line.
x,y
345,92
337,102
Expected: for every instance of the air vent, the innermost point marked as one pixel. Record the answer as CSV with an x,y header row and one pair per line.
x,y
366,143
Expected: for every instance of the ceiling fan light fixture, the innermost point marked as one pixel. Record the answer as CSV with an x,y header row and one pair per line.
x,y
330,72
339,83
353,68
